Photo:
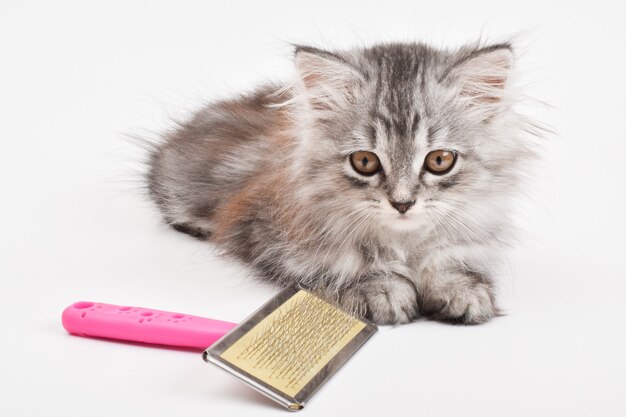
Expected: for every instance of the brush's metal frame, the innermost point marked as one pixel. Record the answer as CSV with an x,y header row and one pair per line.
x,y
297,402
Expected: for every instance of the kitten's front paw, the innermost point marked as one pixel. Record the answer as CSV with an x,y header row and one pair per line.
x,y
468,303
383,300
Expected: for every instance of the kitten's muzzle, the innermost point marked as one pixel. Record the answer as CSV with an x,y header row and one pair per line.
x,y
402,206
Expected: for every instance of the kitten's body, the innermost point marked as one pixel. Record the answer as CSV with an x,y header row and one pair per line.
x,y
267,178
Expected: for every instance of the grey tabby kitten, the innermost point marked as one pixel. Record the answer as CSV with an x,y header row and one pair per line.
x,y
380,177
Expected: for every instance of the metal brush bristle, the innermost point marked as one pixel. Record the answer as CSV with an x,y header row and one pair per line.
x,y
295,341
291,346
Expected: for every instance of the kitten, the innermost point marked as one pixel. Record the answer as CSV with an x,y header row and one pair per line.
x,y
380,177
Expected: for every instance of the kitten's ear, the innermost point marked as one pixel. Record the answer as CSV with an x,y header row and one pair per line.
x,y
481,75
327,79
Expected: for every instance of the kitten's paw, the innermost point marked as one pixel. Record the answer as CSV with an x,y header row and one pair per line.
x,y
384,300
468,303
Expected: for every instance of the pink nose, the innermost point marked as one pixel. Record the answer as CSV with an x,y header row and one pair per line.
x,y
402,206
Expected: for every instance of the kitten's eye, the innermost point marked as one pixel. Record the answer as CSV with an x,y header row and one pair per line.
x,y
365,163
440,162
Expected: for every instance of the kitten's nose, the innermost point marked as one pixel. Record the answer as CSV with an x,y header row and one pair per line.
x,y
402,206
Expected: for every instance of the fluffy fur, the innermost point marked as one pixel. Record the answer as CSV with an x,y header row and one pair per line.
x,y
266,177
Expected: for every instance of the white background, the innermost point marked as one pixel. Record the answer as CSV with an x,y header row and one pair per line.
x,y
76,79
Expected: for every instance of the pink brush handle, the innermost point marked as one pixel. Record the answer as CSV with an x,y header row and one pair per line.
x,y
137,324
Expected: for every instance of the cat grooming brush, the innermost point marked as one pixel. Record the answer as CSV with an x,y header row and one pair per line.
x,y
286,350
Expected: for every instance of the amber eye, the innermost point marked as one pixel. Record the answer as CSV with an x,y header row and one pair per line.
x,y
365,163
440,162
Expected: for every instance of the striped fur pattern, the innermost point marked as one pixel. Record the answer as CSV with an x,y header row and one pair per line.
x,y
266,177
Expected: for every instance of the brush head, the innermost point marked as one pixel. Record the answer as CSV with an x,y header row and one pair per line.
x,y
291,346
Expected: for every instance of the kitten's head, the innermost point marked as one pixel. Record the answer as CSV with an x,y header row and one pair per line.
x,y
410,136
